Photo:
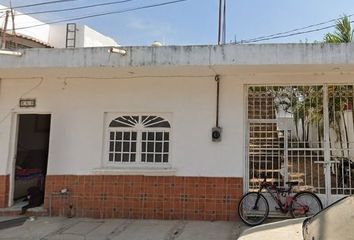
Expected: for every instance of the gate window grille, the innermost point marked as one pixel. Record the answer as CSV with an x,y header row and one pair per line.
x,y
287,136
341,115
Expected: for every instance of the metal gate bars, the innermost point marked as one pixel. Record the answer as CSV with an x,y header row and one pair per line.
x,y
302,133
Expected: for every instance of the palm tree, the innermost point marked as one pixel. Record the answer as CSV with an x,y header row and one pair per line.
x,y
343,32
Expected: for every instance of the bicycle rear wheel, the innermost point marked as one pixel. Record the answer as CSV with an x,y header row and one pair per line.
x,y
305,204
249,212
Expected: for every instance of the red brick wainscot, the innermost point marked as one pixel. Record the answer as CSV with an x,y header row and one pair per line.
x,y
4,190
144,197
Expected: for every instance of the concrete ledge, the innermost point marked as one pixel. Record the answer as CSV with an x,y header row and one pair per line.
x,y
135,171
231,54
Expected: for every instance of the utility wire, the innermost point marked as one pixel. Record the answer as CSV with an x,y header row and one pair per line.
x,y
104,14
286,33
291,34
75,8
39,4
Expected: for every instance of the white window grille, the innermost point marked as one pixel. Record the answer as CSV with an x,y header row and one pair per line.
x,y
138,140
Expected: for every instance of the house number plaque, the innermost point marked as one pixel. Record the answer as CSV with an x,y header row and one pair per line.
x,y
27,102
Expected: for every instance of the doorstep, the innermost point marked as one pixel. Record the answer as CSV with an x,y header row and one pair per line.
x,y
15,211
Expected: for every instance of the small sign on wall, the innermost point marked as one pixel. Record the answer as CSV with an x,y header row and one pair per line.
x,y
27,102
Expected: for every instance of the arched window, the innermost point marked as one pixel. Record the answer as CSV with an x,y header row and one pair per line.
x,y
139,139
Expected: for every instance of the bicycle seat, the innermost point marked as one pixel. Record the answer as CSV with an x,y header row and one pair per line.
x,y
292,183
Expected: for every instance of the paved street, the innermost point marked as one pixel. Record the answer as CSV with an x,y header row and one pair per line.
x,y
56,228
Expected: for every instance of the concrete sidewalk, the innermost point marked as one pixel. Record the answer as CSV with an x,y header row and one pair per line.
x,y
56,228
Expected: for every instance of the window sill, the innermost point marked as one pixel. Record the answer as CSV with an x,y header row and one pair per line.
x,y
135,171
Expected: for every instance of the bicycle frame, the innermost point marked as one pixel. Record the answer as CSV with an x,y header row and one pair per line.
x,y
275,194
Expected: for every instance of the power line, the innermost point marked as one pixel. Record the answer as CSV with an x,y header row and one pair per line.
x,y
104,14
298,29
292,34
287,33
39,4
75,8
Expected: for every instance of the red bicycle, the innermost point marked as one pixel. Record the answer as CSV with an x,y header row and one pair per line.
x,y
253,208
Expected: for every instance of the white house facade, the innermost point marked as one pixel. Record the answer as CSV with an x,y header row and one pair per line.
x,y
128,133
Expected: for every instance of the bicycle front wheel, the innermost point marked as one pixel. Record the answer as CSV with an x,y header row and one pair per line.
x,y
251,213
305,204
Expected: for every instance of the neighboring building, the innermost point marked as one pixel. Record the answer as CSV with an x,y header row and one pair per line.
x,y
33,33
18,41
73,35
128,133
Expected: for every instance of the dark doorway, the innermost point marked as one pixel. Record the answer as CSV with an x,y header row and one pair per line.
x,y
32,153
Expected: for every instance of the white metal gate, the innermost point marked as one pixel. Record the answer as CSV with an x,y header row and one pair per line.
x,y
304,134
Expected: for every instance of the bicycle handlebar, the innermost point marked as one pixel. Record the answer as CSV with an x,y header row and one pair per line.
x,y
265,183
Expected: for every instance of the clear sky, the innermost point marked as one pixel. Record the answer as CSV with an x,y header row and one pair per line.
x,y
195,21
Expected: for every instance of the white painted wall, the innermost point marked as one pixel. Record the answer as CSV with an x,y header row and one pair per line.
x,y
93,38
78,118
57,35
78,106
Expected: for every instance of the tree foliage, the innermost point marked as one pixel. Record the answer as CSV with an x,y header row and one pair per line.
x,y
343,32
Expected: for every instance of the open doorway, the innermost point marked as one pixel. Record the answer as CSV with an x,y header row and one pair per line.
x,y
31,155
